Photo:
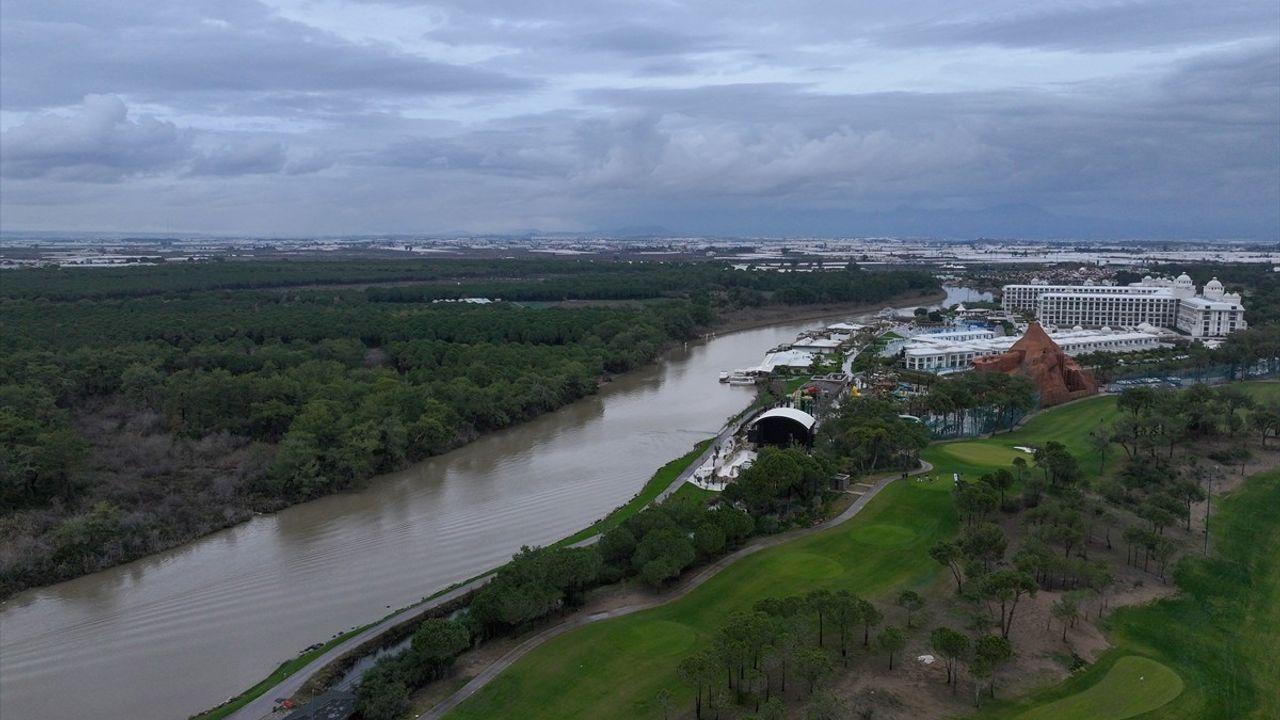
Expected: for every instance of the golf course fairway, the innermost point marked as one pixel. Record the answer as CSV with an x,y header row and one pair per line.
x,y
1214,647
614,669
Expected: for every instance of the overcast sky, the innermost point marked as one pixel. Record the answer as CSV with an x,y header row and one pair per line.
x,y
1107,118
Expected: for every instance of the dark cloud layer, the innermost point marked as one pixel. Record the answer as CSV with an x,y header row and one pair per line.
x,y
1110,118
236,48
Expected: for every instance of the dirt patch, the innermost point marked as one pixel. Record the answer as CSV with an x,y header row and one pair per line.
x,y
911,690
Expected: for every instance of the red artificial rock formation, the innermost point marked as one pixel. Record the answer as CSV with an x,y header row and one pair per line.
x,y
1037,357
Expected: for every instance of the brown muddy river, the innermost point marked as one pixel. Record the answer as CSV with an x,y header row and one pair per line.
x,y
178,632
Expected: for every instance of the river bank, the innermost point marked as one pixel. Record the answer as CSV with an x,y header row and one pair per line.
x,y
663,483
180,631
749,318
307,678
210,462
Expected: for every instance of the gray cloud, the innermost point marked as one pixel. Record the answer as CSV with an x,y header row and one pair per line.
x,y
1098,150
312,163
236,48
98,144
645,41
248,158
492,115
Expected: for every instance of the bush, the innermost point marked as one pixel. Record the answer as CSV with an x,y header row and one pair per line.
x,y
383,694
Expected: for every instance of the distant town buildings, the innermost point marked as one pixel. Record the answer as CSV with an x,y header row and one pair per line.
x,y
792,254
1161,302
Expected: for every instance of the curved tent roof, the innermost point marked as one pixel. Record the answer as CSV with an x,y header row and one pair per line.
x,y
800,416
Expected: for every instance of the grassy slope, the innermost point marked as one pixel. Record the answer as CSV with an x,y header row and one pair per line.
x,y
1232,602
286,668
1069,425
689,491
1265,391
659,482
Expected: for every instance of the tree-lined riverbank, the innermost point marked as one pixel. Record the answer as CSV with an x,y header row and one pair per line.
x,y
247,596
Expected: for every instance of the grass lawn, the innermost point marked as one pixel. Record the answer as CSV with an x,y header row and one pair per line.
x,y
796,383
613,669
1264,391
1132,686
689,491
1069,425
659,482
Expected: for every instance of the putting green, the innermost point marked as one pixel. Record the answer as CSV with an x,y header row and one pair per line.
x,y
883,535
981,453
809,566
1133,686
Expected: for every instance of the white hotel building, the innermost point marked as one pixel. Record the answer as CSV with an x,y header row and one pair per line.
x,y
940,353
1161,302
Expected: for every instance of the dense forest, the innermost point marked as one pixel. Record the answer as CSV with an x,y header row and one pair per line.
x,y
517,280
143,407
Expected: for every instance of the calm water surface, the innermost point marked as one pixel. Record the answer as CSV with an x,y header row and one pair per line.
x,y
178,632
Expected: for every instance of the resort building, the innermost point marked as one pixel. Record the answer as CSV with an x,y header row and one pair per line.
x,y
936,354
1162,302
896,346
